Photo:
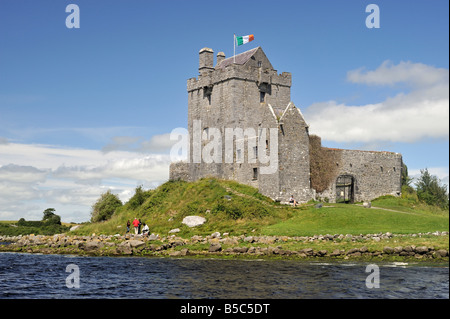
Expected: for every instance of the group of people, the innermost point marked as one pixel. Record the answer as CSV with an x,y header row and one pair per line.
x,y
137,227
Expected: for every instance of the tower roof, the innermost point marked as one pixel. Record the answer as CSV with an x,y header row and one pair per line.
x,y
241,58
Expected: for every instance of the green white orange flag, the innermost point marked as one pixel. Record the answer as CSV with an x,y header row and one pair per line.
x,y
244,39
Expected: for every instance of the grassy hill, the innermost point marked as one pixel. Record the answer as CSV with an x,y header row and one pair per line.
x,y
239,209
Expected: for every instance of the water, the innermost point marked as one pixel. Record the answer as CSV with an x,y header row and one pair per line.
x,y
44,277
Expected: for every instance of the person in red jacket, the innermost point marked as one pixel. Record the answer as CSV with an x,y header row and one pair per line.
x,y
136,225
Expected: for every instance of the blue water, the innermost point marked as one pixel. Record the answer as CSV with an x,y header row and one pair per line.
x,y
44,276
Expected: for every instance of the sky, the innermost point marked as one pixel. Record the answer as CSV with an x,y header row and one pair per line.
x,y
90,109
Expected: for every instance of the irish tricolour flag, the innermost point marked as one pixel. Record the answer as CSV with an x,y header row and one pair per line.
x,y
245,39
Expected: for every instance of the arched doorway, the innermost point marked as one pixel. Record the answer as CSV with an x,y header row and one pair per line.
x,y
345,188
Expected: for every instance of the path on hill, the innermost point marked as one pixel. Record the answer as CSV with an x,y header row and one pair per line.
x,y
391,210
235,192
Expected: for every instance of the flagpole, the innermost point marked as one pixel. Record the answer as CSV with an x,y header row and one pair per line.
x,y
234,47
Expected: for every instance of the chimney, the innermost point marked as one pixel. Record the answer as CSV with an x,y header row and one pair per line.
x,y
220,57
206,59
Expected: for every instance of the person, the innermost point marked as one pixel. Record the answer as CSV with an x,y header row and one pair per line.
x,y
292,201
145,229
128,226
136,225
139,227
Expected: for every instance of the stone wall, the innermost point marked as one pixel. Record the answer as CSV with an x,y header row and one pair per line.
x,y
294,156
375,174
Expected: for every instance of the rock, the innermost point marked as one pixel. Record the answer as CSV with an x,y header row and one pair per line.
x,y
352,251
421,249
124,249
215,235
376,238
307,251
240,250
398,249
173,231
363,249
442,252
367,204
215,248
136,243
355,254
175,253
192,221
322,252
153,237
74,227
91,245
249,239
319,205
408,249
388,250
227,197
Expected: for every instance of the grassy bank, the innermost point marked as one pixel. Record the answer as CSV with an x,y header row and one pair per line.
x,y
237,209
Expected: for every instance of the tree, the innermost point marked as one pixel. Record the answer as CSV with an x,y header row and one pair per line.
x,y
430,190
105,207
48,213
50,217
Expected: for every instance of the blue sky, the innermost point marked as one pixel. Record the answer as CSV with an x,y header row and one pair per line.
x,y
90,109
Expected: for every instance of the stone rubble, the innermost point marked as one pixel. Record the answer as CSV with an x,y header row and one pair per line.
x,y
261,245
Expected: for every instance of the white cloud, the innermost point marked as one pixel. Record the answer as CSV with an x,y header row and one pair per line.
x,y
406,117
35,177
156,144
415,74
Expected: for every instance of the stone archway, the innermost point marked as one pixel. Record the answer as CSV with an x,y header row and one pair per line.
x,y
345,189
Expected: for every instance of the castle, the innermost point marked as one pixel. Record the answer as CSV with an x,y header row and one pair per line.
x,y
244,101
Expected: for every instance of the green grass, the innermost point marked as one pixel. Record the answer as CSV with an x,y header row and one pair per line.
x,y
249,212
165,207
355,220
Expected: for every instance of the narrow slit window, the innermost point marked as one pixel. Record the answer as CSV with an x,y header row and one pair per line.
x,y
262,97
255,173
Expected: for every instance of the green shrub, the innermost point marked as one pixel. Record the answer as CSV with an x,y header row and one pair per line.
x,y
105,207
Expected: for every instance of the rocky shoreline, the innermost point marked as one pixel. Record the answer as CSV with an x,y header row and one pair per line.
x,y
218,244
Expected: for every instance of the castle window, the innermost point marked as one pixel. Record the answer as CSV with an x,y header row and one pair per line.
x,y
259,64
282,129
239,155
381,168
262,97
255,173
267,144
255,152
207,92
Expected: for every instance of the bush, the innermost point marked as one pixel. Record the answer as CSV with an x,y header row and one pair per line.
x,y
105,207
138,198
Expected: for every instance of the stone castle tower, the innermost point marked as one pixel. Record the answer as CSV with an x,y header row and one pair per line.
x,y
240,112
